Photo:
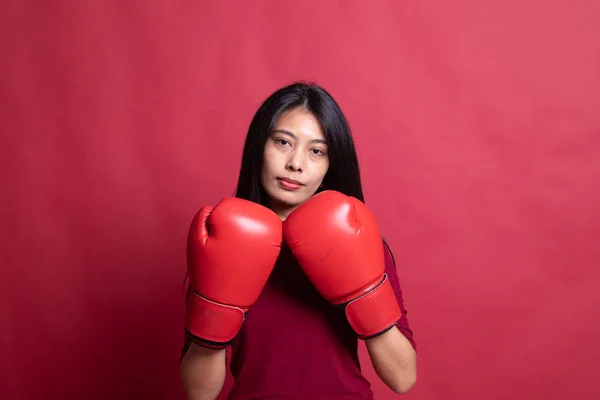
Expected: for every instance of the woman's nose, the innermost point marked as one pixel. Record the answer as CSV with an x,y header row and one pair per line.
x,y
295,162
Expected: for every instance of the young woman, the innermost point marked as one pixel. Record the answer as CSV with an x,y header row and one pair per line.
x,y
280,276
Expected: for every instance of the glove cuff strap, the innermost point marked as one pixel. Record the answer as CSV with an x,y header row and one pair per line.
x,y
374,312
210,324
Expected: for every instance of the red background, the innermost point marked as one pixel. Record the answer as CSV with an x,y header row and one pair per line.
x,y
477,126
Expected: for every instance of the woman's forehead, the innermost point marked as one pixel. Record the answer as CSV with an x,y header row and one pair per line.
x,y
300,124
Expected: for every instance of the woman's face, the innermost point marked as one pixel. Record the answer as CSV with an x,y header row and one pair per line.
x,y
295,161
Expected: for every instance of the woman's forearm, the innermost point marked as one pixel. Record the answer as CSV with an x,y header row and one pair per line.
x,y
203,372
394,360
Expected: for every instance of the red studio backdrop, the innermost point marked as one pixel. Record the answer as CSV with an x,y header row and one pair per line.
x,y
478,131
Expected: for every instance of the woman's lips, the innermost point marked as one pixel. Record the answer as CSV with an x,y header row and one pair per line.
x,y
289,184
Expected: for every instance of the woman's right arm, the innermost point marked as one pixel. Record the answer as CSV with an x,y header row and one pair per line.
x,y
203,372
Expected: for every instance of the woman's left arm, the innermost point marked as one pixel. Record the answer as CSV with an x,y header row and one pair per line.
x,y
394,360
393,353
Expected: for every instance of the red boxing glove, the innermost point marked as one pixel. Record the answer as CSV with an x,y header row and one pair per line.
x,y
231,251
337,243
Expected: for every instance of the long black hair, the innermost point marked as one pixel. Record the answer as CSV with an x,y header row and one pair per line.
x,y
343,174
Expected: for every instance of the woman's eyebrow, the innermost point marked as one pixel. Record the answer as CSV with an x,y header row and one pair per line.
x,y
294,136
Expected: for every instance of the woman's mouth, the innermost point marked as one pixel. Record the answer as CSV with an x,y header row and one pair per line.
x,y
289,184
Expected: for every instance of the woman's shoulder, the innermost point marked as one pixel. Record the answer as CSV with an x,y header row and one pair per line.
x,y
388,254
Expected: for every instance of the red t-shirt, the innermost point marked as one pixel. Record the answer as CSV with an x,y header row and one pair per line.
x,y
294,345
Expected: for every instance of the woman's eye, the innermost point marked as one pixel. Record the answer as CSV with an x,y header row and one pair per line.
x,y
317,151
282,142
